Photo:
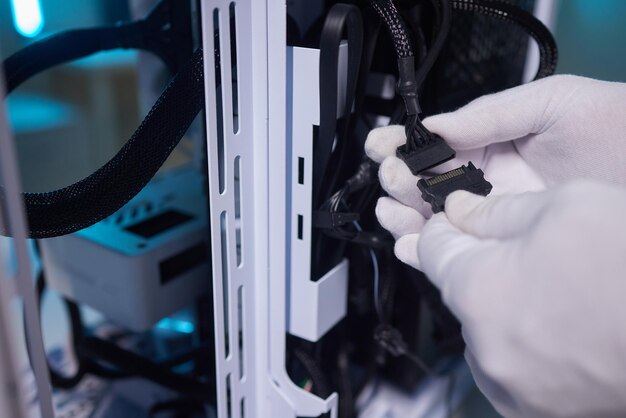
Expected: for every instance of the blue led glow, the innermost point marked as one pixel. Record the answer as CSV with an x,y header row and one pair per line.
x,y
177,325
27,17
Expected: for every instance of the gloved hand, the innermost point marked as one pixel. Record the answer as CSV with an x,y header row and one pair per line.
x,y
538,282
525,138
520,319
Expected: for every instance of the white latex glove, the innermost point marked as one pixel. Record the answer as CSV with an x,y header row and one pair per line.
x,y
538,282
524,138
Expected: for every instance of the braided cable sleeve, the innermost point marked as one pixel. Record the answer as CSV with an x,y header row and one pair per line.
x,y
389,14
548,53
160,32
54,50
99,195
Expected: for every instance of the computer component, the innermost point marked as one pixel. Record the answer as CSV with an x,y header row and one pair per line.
x,y
145,262
436,189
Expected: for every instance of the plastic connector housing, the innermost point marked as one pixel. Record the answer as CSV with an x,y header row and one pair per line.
x,y
436,189
435,152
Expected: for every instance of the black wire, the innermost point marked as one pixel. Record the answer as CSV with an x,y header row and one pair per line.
x,y
340,17
408,82
507,12
139,365
321,386
440,39
395,25
415,130
57,379
346,401
158,32
548,52
84,365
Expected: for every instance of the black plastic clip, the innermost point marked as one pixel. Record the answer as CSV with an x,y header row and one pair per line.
x,y
331,220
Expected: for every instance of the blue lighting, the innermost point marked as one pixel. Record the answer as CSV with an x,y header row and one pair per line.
x,y
27,17
170,324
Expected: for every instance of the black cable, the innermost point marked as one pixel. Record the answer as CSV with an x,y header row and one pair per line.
x,y
91,364
320,382
435,50
165,32
331,147
96,348
507,12
502,10
84,365
416,133
395,25
97,196
548,52
371,31
364,181
346,396
57,379
340,17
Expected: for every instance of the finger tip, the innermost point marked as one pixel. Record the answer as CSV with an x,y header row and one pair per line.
x,y
382,142
405,250
459,197
381,209
398,218
382,204
387,173
460,203
443,125
393,169
435,123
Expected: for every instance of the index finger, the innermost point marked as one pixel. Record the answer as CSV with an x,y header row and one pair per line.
x,y
504,116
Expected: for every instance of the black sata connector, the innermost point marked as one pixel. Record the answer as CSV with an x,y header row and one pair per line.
x,y
424,154
436,189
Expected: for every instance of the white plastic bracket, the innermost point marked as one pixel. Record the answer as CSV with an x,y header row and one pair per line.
x,y
314,307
